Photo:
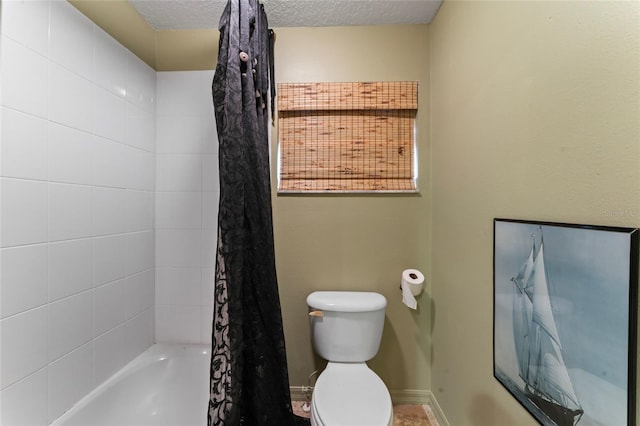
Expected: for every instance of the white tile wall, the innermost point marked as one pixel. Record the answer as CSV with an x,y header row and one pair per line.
x,y
186,206
111,113
20,63
24,278
141,84
138,334
179,210
139,249
109,259
29,24
179,286
140,293
179,248
179,172
140,128
70,324
139,211
108,60
66,281
87,281
23,212
109,210
70,98
70,153
110,310
180,135
109,353
110,156
24,344
24,148
77,197
25,403
176,323
71,39
70,211
70,378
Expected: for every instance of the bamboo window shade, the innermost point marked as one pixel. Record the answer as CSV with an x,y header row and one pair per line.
x,y
343,137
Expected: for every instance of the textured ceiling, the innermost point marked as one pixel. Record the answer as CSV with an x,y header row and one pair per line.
x,y
205,14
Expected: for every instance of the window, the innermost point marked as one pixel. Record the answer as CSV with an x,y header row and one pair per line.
x,y
347,137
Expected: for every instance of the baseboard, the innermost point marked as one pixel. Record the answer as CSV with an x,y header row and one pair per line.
x,y
410,396
300,393
401,397
420,397
437,411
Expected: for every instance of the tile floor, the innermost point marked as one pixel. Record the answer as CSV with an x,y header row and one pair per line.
x,y
403,415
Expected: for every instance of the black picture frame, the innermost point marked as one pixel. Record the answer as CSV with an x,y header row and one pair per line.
x,y
565,313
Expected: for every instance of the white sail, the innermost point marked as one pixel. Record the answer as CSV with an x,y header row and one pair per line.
x,y
547,373
542,313
522,310
557,383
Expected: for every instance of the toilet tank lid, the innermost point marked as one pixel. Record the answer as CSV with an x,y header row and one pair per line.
x,y
346,301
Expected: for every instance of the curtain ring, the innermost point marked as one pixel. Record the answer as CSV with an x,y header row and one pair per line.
x,y
244,57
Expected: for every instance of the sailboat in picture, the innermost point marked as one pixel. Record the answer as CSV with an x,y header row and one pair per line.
x,y
537,343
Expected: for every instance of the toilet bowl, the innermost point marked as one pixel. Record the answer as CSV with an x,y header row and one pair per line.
x,y
350,395
346,330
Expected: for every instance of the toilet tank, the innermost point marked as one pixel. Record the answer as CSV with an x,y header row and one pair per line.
x,y
350,326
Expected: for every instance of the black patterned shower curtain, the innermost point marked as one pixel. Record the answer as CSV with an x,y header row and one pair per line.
x,y
249,378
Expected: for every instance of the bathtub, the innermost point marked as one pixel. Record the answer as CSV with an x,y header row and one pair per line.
x,y
166,385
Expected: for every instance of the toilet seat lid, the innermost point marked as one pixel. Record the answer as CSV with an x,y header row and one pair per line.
x,y
352,395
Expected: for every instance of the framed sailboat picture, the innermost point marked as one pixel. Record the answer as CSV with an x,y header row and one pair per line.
x,y
565,313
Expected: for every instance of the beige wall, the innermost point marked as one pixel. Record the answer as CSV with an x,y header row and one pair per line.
x,y
535,115
358,242
166,50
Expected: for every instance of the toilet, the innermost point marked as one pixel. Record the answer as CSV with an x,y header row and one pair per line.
x,y
346,329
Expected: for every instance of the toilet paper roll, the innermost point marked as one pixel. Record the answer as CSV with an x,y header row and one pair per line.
x,y
411,285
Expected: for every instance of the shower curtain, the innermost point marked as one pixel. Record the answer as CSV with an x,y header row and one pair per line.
x,y
249,378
